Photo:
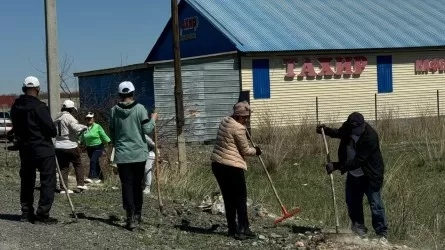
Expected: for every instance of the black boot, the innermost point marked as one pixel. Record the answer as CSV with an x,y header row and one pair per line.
x,y
45,220
247,233
27,217
131,222
138,218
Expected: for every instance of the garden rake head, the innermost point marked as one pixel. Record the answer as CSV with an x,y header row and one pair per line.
x,y
286,214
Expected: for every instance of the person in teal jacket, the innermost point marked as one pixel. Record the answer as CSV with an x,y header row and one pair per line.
x,y
129,124
94,138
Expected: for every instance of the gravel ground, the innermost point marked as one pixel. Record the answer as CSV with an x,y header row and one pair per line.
x,y
183,225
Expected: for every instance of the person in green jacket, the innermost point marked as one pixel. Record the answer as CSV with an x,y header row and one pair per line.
x,y
129,124
94,138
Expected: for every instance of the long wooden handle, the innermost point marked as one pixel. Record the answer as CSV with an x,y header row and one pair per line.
x,y
158,177
334,199
265,170
65,188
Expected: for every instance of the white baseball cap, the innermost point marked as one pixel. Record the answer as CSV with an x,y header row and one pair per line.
x,y
90,115
31,82
69,104
126,87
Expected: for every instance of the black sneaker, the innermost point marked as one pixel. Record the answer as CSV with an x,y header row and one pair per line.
x,y
240,236
248,233
138,219
360,230
27,217
45,220
131,223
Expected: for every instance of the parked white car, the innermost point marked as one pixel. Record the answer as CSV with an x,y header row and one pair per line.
x,y
5,123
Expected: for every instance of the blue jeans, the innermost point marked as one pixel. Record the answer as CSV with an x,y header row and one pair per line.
x,y
356,188
94,153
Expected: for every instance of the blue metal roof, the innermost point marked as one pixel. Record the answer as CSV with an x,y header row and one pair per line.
x,y
293,25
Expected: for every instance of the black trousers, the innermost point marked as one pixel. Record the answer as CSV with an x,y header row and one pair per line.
x,y
233,188
356,188
132,176
47,169
65,157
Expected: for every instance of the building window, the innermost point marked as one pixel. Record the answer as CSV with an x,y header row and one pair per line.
x,y
261,79
384,74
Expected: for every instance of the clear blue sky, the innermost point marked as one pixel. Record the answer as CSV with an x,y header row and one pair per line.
x,y
96,34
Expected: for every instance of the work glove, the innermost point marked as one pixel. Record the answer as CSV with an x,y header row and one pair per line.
x,y
331,167
319,127
258,151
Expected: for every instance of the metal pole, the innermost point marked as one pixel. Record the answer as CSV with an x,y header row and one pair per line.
x,y
316,109
438,105
6,138
52,57
179,101
375,109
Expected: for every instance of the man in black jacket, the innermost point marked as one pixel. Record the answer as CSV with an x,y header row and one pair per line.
x,y
34,130
359,155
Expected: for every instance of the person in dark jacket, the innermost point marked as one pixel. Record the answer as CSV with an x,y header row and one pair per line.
x,y
359,155
34,130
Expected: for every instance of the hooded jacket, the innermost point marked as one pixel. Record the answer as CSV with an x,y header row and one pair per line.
x,y
232,146
33,127
68,130
368,155
129,124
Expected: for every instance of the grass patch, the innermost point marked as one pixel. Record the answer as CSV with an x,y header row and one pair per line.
x,y
413,151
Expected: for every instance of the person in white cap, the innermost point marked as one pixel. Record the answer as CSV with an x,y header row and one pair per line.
x,y
95,139
34,130
67,148
129,124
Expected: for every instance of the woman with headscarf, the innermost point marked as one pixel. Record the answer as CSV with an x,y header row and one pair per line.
x,y
228,166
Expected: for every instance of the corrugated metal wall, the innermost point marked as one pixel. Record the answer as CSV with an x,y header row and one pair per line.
x,y
294,101
99,92
211,88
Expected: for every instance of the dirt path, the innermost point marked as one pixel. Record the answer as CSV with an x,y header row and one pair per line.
x,y
184,225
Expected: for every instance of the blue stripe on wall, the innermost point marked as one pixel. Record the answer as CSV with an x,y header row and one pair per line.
x,y
261,79
384,74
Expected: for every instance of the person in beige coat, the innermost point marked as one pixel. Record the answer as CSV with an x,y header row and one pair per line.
x,y
228,166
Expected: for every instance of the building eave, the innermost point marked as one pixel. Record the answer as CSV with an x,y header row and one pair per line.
x,y
112,70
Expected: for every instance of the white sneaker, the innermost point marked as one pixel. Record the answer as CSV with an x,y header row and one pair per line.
x,y
88,180
84,187
69,191
97,181
147,191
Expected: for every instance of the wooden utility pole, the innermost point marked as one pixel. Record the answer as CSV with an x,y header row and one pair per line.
x,y
179,102
52,57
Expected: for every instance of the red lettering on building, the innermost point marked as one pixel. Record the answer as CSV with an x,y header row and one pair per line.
x,y
360,63
190,23
344,66
430,65
434,65
290,65
441,64
308,69
325,65
419,65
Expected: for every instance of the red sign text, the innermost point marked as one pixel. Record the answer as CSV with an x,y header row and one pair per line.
x,y
430,65
342,66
